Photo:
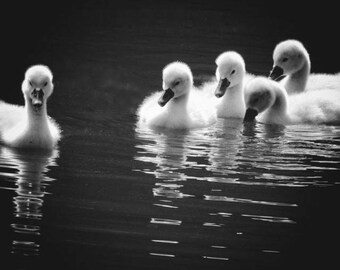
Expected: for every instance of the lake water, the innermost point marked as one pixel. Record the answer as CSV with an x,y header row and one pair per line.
x,y
117,196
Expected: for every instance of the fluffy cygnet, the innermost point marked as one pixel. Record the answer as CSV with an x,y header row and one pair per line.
x,y
291,60
269,100
230,74
180,105
30,126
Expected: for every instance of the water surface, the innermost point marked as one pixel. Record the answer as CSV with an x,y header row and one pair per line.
x,y
115,195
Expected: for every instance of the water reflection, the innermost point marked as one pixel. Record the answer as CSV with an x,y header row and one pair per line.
x,y
26,174
224,179
235,153
281,156
175,157
225,148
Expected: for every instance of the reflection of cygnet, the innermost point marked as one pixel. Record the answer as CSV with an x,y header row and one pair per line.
x,y
29,169
180,105
291,59
270,100
30,126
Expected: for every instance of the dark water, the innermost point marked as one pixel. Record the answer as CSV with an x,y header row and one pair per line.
x,y
116,196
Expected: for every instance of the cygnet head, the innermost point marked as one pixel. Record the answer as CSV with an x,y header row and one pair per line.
x,y
260,96
177,82
289,56
229,72
37,86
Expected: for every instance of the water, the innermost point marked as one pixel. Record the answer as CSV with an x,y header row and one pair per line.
x,y
117,196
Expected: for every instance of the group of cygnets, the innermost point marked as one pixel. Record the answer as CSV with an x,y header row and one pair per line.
x,y
300,97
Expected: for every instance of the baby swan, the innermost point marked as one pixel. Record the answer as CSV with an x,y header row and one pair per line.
x,y
268,99
180,105
30,126
291,60
230,73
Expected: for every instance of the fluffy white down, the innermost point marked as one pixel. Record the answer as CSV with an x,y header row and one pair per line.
x,y
276,107
292,57
319,81
28,126
315,107
188,109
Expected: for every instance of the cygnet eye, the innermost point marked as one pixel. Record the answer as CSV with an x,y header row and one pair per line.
x,y
45,84
30,83
232,72
176,83
285,59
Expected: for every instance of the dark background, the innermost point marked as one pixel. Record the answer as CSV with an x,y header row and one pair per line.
x,y
70,36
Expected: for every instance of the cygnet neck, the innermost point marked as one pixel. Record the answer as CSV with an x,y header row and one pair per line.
x,y
232,104
277,113
296,82
179,104
280,102
36,118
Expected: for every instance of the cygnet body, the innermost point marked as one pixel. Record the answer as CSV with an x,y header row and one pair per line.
x,y
270,101
180,105
30,126
230,74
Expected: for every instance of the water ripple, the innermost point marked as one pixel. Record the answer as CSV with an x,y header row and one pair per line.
x,y
209,179
26,175
239,200
164,221
270,218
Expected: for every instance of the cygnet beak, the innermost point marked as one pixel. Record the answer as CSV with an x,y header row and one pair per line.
x,y
221,87
276,73
37,98
167,95
250,115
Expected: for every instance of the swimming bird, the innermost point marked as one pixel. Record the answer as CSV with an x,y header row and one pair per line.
x,y
291,60
29,126
268,99
230,73
180,105
227,86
